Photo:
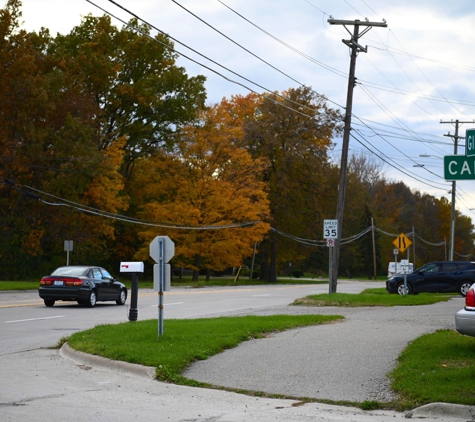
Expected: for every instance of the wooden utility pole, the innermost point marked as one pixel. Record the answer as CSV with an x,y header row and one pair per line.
x,y
355,48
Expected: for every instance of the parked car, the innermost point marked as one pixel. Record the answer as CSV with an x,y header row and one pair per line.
x,y
83,284
440,276
465,318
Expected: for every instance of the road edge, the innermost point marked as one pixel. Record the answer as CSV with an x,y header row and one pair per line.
x,y
147,372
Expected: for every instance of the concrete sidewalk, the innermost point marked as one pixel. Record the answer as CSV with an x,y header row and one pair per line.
x,y
345,361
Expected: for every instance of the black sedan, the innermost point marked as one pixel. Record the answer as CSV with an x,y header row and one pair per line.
x,y
441,276
82,284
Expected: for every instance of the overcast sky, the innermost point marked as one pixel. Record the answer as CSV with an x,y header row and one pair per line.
x,y
417,72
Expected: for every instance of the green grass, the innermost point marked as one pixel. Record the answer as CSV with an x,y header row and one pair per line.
x,y
371,297
438,367
183,341
184,282
19,285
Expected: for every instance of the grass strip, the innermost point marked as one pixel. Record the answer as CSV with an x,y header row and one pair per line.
x,y
437,367
184,340
184,282
371,297
19,285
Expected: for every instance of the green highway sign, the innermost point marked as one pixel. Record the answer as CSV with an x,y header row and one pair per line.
x,y
459,167
470,142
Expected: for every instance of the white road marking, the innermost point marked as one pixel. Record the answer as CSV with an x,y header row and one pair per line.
x,y
259,295
169,304
34,319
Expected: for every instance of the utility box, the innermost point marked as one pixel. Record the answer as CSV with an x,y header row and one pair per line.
x,y
131,267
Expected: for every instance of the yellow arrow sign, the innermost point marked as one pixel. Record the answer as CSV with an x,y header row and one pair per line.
x,y
402,242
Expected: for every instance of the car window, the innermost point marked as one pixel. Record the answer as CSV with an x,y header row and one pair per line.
x,y
449,266
105,273
96,273
430,268
71,271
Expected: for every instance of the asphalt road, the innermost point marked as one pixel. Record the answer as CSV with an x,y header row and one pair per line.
x,y
344,361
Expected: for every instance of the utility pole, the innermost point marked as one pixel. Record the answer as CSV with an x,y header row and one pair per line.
x,y
355,48
454,186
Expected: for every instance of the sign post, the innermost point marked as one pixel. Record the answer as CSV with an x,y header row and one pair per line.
x,y
68,247
162,249
330,232
402,242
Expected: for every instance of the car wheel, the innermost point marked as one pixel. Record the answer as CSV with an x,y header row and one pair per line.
x,y
122,297
49,302
463,288
400,289
91,302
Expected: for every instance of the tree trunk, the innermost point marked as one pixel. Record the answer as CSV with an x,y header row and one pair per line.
x,y
264,272
196,272
273,260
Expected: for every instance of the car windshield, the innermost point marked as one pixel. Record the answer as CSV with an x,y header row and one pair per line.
x,y
72,271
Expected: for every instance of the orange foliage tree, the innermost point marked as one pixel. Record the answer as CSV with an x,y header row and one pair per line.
x,y
205,183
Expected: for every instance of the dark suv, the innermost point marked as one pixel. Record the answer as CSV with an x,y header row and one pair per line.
x,y
440,276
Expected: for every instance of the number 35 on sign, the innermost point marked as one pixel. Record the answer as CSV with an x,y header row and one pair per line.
x,y
330,229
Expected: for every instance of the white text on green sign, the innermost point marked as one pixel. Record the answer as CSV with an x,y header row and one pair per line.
x,y
459,167
470,142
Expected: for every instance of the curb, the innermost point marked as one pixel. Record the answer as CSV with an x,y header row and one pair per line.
x,y
82,358
458,411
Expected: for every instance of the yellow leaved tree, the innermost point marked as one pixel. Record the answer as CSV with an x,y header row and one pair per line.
x,y
205,184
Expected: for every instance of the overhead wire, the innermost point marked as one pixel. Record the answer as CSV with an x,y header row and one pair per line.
x,y
118,217
268,96
147,23
396,90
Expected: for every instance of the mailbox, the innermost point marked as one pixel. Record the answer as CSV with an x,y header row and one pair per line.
x,y
131,267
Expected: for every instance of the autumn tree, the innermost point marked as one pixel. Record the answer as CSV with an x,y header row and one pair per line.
x,y
292,132
204,184
47,144
75,112
139,91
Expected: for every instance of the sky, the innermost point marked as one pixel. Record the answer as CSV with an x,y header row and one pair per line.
x,y
414,81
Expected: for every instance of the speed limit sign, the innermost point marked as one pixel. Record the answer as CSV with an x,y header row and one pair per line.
x,y
330,229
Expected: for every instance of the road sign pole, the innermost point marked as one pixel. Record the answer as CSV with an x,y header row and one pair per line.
x,y
330,233
162,249
160,284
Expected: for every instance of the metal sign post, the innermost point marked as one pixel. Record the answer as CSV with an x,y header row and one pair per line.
x,y
402,242
330,244
330,232
162,249
68,247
